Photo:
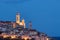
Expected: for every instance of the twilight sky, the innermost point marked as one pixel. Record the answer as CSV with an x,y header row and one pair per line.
x,y
44,14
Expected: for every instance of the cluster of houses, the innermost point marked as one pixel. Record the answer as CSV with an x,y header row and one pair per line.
x,y
18,30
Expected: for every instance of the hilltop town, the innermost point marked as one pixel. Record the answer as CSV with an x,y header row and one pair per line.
x,y
18,30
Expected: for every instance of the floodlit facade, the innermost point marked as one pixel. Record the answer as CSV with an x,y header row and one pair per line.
x,y
18,20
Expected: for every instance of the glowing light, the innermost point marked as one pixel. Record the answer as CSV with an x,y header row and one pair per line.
x,y
21,23
47,38
5,36
26,37
13,36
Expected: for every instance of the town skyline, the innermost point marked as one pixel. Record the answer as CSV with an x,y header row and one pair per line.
x,y
44,14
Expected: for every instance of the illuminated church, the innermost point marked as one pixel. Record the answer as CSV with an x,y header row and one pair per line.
x,y
18,21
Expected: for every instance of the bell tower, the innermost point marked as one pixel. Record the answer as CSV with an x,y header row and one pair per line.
x,y
18,18
30,25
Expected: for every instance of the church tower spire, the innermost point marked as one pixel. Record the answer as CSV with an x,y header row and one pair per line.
x,y
30,25
18,18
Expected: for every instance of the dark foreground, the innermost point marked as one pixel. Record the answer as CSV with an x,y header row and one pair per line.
x,y
13,39
53,38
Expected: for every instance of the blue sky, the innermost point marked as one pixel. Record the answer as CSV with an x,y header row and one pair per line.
x,y
44,14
